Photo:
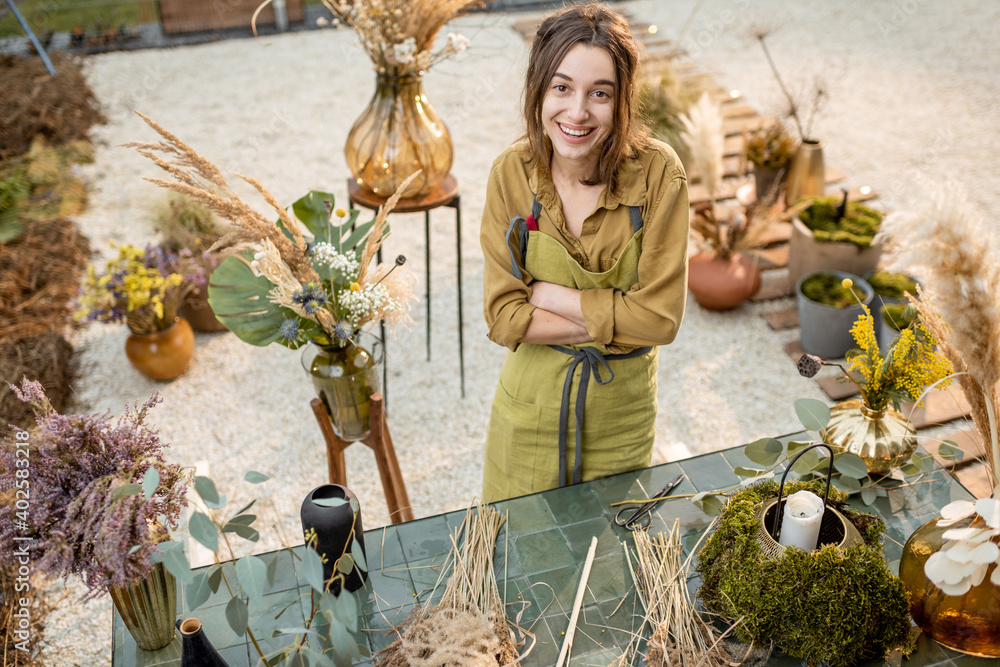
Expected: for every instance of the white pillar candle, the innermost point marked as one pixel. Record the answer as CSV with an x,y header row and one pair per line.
x,y
801,520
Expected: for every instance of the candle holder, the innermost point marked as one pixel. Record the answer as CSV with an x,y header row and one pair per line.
x,y
834,528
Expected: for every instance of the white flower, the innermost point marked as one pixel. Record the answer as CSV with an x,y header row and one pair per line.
x,y
968,552
457,43
325,254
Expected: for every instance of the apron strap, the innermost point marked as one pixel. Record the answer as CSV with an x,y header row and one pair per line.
x,y
522,235
636,217
592,359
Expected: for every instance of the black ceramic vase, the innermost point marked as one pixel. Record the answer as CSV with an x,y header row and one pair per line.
x,y
333,531
196,650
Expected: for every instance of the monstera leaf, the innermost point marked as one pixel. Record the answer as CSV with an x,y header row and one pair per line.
x,y
313,211
239,299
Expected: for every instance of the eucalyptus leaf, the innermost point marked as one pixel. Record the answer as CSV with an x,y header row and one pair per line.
x,y
850,483
851,465
747,472
246,532
711,505
206,489
237,615
272,569
312,568
753,480
150,482
245,519
910,469
176,562
330,502
134,549
355,505
358,553
299,660
252,573
198,591
347,610
245,507
814,414
294,631
806,463
868,495
203,530
345,564
763,452
950,451
795,447
343,643
126,490
255,477
215,579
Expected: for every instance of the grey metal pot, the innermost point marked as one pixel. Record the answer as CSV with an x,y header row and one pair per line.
x,y
826,330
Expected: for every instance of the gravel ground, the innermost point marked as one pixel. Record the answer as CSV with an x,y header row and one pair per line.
x,y
911,88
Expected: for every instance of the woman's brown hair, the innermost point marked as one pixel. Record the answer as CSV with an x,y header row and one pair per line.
x,y
593,25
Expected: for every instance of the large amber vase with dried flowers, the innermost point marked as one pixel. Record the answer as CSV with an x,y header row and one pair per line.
x,y
396,135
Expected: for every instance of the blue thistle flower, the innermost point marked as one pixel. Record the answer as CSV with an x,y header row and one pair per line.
x,y
289,329
342,332
311,297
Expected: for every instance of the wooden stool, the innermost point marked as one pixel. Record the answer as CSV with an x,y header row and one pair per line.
x,y
380,442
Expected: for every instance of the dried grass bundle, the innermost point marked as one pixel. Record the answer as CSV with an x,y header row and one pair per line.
x,y
47,358
945,245
680,635
40,276
468,627
39,608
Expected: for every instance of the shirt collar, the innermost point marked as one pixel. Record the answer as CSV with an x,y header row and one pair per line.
x,y
631,189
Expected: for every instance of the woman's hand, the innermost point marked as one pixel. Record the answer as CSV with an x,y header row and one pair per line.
x,y
559,299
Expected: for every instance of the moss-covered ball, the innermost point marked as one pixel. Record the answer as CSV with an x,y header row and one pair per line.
x,y
859,225
842,606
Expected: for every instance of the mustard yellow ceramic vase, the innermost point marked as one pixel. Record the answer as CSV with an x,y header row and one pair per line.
x,y
883,438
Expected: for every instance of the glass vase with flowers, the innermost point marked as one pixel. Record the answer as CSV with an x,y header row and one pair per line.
x,y
137,287
872,426
103,498
399,132
308,277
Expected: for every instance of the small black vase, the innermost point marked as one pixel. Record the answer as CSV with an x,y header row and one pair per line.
x,y
333,529
196,650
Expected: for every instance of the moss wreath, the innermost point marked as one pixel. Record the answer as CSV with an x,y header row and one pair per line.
x,y
837,605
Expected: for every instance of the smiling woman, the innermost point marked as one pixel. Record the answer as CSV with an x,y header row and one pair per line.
x,y
594,277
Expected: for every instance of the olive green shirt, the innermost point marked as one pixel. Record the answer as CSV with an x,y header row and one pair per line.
x,y
649,313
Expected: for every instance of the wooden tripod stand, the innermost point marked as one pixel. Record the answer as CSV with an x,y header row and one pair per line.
x,y
380,441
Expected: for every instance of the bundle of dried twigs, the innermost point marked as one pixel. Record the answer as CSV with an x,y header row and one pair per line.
x,y
468,627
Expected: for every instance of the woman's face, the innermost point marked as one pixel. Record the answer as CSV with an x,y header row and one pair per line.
x,y
578,108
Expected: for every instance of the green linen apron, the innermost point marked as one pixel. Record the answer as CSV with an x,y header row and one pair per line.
x,y
526,448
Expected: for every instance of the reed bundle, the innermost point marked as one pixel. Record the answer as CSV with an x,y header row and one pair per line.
x,y
680,635
468,626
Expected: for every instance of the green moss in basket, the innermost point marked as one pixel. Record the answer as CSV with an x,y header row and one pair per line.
x,y
841,606
829,290
894,285
899,316
859,225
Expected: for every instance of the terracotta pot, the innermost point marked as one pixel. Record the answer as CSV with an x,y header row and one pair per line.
x,y
163,355
722,284
200,315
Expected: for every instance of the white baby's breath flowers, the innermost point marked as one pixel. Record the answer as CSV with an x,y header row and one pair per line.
x,y
361,303
325,254
968,552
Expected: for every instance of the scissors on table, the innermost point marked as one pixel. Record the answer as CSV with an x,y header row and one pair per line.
x,y
641,516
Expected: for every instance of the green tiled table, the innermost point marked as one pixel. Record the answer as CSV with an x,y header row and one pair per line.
x,y
540,554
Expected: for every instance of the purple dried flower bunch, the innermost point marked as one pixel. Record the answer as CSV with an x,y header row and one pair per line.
x,y
90,512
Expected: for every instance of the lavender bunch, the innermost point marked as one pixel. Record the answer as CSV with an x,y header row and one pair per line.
x,y
90,513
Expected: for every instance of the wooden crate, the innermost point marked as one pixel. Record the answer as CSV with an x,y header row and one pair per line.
x,y
180,16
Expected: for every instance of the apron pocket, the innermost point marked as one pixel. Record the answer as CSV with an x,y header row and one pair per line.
x,y
511,447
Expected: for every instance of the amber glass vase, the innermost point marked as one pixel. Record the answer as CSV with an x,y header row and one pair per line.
x,y
396,135
968,623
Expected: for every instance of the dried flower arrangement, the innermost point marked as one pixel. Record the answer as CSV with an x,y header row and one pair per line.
x,y
468,627
909,366
770,147
946,245
302,277
138,287
705,141
398,35
102,494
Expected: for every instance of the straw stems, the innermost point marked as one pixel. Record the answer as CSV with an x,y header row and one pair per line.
x,y
680,636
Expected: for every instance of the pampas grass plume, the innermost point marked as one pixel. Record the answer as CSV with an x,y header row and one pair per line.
x,y
704,137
